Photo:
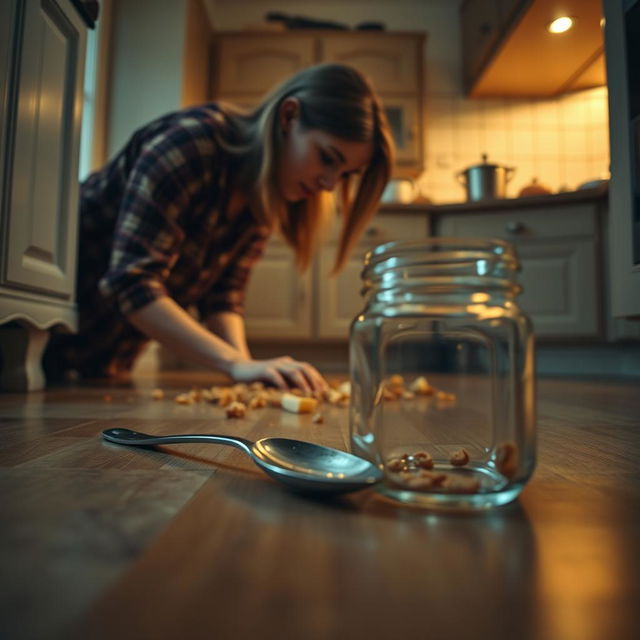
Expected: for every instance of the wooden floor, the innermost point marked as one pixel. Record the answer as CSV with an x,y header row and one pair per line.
x,y
193,541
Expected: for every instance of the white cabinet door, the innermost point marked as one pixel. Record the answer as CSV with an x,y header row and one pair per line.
x,y
279,297
41,247
339,297
560,287
558,252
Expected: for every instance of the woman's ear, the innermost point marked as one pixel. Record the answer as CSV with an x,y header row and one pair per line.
x,y
289,111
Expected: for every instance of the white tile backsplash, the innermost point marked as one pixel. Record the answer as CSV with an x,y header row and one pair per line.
x,y
561,141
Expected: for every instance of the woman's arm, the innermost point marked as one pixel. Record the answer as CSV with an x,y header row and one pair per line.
x,y
229,326
165,321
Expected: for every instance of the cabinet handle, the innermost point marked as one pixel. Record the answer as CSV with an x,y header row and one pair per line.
x,y
515,227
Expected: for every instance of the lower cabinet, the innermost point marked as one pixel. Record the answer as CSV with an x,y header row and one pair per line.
x,y
559,249
284,304
42,74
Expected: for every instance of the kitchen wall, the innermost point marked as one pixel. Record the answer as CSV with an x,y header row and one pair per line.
x,y
563,142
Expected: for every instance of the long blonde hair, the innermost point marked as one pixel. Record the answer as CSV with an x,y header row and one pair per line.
x,y
338,100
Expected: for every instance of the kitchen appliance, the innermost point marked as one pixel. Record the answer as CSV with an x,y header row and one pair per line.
x,y
400,190
485,181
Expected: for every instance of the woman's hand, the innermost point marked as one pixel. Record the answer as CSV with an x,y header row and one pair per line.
x,y
283,372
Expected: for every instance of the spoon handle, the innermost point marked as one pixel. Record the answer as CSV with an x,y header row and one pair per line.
x,y
135,438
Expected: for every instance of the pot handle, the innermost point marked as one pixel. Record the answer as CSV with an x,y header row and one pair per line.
x,y
509,173
460,177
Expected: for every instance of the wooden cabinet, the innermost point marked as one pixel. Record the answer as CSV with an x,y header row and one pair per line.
x,y
507,50
284,304
558,248
247,64
43,72
250,65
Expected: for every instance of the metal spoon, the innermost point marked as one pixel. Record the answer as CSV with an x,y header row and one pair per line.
x,y
303,466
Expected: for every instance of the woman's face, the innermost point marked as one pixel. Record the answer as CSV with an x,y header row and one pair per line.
x,y
313,160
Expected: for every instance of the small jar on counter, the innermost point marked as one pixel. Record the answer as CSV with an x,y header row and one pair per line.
x,y
442,373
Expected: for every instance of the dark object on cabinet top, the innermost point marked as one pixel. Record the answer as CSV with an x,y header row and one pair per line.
x,y
302,22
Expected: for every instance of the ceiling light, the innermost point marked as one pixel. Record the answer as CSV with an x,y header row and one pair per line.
x,y
560,25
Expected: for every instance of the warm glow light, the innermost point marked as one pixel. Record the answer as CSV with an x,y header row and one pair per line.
x,y
560,25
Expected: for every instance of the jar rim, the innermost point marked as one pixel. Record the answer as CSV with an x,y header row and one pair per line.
x,y
442,250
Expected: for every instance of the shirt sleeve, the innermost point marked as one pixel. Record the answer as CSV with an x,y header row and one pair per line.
x,y
172,172
229,292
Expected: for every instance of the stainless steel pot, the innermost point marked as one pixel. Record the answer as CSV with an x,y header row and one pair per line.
x,y
485,181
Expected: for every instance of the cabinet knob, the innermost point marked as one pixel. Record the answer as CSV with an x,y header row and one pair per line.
x,y
372,232
515,227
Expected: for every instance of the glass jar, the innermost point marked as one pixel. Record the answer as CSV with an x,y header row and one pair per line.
x,y
442,373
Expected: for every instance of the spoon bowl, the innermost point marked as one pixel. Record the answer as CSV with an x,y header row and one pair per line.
x,y
302,466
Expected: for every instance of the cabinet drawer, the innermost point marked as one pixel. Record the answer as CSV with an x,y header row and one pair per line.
x,y
569,221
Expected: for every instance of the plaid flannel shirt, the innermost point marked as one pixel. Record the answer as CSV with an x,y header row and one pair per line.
x,y
153,223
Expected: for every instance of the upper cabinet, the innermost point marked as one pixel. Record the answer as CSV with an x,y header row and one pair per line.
x,y
247,64
508,51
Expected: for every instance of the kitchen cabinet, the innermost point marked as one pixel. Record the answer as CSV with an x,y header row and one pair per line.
x,y
247,64
507,50
42,66
558,247
284,304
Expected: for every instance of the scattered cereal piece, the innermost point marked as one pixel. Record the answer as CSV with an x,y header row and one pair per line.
x,y
317,418
443,396
459,458
296,404
423,460
426,480
420,386
345,388
274,398
408,395
396,381
332,396
388,395
236,410
257,402
157,394
458,484
395,464
256,386
184,398
506,458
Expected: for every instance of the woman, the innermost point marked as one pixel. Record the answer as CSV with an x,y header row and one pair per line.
x,y
182,213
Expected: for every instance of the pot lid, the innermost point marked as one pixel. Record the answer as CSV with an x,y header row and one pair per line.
x,y
486,165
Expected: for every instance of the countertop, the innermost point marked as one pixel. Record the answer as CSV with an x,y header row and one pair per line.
x,y
193,541
550,200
